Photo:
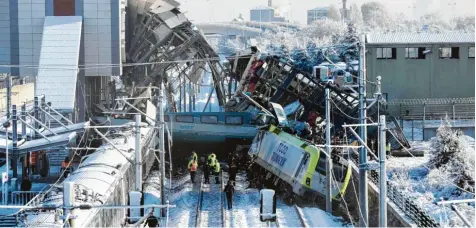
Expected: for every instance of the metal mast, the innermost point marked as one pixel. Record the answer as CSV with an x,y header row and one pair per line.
x,y
363,191
328,154
161,146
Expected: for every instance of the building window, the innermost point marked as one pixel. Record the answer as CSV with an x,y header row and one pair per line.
x,y
64,7
386,53
209,119
166,118
449,53
234,120
414,53
184,119
471,52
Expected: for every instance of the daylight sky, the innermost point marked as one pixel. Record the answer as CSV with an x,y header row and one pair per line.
x,y
295,10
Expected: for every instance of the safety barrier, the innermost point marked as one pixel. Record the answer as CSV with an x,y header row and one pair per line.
x,y
23,197
405,203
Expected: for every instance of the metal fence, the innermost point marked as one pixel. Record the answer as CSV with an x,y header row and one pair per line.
x,y
405,203
23,197
17,81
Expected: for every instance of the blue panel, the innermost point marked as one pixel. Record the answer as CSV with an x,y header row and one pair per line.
x,y
14,44
78,7
115,36
49,10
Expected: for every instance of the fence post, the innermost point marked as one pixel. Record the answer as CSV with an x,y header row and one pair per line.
x,y
424,117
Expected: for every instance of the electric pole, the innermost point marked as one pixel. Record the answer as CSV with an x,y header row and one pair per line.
x,y
161,146
363,191
328,154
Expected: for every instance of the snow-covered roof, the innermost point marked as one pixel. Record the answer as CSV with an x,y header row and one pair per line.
x,y
419,38
320,9
263,8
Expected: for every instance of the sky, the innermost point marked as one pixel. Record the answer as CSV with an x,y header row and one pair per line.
x,y
296,10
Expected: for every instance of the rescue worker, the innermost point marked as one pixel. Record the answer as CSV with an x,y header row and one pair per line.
x,y
25,184
233,170
194,155
66,167
192,167
212,159
229,190
206,173
217,172
33,161
388,148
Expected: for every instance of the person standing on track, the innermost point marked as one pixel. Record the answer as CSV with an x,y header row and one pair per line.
x,y
233,170
217,172
192,166
229,190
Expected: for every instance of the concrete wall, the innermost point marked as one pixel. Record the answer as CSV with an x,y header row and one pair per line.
x,y
431,77
430,132
20,94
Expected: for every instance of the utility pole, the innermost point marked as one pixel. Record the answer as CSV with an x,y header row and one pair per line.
x,y
383,174
162,146
363,191
14,141
328,154
8,84
138,155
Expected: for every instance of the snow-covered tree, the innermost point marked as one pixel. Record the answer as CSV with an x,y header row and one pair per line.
x,y
375,15
350,40
355,15
452,157
435,22
465,24
334,13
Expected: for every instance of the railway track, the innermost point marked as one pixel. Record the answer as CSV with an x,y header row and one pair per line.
x,y
207,207
301,217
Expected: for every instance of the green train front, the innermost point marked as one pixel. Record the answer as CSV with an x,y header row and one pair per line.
x,y
297,163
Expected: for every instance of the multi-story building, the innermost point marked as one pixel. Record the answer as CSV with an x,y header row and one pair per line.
x,y
422,65
318,13
63,32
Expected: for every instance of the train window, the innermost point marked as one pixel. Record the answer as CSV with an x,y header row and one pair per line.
x,y
339,172
184,119
209,119
321,164
234,120
166,118
303,164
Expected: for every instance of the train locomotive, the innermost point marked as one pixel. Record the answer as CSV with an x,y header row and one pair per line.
x,y
295,167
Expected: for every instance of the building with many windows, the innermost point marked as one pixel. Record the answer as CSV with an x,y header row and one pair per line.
x,y
265,14
318,13
422,65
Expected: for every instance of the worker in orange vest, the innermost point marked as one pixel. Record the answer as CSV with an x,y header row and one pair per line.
x,y
192,166
66,167
33,161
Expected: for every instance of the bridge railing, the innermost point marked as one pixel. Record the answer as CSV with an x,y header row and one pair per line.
x,y
23,197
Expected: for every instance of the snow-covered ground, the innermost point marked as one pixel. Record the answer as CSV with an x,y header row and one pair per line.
x,y
246,208
426,186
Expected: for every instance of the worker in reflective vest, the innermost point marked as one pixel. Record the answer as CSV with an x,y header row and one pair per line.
x,y
217,172
388,148
33,161
192,166
194,155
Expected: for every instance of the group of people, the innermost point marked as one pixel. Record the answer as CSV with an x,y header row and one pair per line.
x,y
212,166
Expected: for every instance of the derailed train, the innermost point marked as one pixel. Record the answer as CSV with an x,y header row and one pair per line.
x,y
295,167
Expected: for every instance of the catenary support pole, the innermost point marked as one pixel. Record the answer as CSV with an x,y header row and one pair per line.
x,y
37,116
14,141
8,83
363,191
162,147
328,151
7,162
23,117
43,107
68,201
383,173
138,155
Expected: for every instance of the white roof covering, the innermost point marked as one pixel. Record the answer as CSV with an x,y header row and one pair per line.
x,y
419,38
98,173
59,56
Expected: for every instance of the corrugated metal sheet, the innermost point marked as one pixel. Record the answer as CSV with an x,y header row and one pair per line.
x,y
57,74
419,38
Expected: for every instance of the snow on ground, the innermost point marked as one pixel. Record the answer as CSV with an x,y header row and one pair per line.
x,y
425,187
316,217
211,212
